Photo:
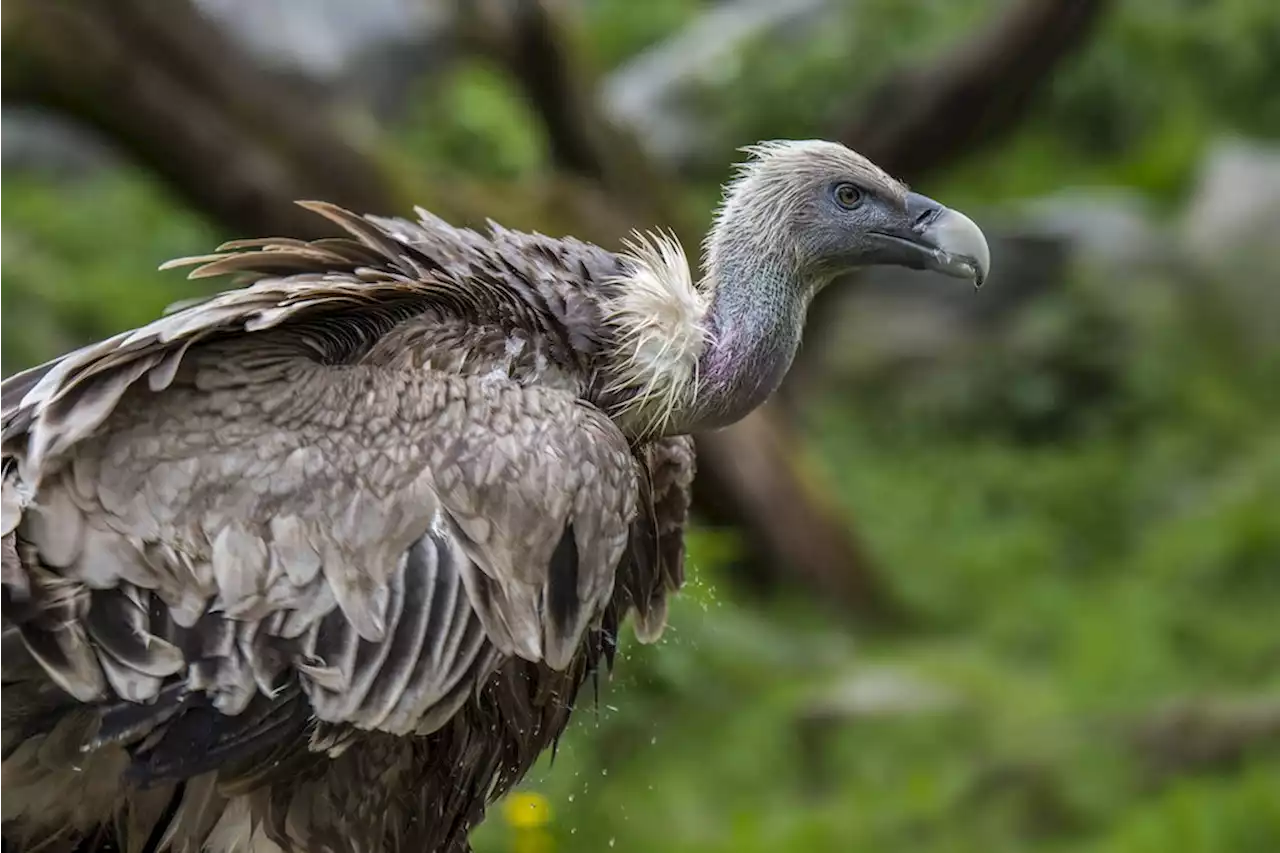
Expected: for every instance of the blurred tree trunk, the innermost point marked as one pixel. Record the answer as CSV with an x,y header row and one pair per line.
x,y
921,120
753,471
231,138
175,93
170,89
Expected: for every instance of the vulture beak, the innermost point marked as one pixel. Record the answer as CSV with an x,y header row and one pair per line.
x,y
941,239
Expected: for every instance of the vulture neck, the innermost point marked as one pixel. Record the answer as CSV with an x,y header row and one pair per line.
x,y
756,314
692,357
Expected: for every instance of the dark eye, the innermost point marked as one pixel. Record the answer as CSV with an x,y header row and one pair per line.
x,y
848,196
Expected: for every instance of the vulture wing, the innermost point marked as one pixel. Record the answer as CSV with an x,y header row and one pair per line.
x,y
655,564
258,510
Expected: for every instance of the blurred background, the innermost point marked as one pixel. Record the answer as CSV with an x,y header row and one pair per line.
x,y
995,571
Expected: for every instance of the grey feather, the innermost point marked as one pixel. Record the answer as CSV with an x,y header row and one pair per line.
x,y
65,654
378,473
120,626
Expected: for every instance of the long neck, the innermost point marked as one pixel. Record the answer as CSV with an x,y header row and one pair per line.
x,y
758,304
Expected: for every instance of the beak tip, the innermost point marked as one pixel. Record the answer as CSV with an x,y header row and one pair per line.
x,y
960,238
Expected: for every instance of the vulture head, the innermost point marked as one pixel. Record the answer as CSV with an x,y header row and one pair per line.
x,y
796,215
816,209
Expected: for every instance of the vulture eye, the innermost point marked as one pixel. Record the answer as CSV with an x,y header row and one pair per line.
x,y
848,196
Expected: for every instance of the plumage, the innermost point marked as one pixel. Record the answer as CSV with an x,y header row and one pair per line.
x,y
323,561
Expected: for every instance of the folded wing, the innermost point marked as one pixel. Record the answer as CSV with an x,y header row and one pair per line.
x,y
250,515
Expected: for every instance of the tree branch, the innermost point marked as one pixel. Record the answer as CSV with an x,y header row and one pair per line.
x,y
920,120
526,39
173,92
233,140
532,41
751,472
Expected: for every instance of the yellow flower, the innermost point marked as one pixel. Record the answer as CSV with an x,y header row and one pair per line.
x,y
527,810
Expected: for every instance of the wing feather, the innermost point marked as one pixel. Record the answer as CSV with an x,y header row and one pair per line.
x,y
655,564
238,483
274,499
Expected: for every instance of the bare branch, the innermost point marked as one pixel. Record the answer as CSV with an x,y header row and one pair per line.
x,y
171,91
920,120
1207,734
750,473
528,39
533,42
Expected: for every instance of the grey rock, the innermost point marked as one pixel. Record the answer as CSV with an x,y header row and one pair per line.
x,y
872,692
37,140
648,93
322,37
1235,208
1108,225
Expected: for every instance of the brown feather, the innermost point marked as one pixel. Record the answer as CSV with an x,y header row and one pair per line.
x,y
321,498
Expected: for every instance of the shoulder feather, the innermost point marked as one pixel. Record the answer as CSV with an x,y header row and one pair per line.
x,y
659,319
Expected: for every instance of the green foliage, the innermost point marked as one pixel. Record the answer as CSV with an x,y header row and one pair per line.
x,y
81,262
1205,815
473,120
1138,105
802,86
615,30
1082,512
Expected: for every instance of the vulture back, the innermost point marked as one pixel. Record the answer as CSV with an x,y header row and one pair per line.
x,y
323,562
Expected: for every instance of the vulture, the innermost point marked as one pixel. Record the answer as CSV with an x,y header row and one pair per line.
x,y
321,562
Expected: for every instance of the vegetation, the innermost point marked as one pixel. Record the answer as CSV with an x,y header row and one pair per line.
x,y
1081,513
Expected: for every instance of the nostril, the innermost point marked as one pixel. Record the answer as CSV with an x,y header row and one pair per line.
x,y
922,211
924,217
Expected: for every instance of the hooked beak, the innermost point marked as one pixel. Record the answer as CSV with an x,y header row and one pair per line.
x,y
938,238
